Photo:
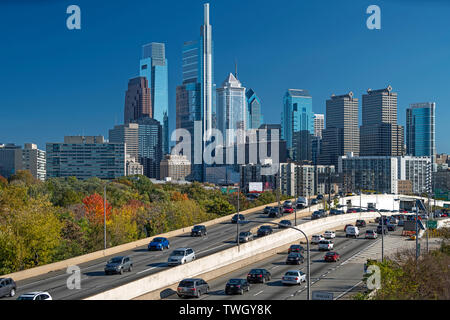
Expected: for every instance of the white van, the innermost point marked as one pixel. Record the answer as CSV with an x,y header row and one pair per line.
x,y
352,232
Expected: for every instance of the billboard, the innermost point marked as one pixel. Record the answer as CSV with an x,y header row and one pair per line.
x,y
255,187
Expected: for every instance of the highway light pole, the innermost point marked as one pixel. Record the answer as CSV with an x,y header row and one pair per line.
x,y
104,215
308,259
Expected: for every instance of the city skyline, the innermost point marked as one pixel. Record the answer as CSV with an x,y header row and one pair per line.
x,y
12,132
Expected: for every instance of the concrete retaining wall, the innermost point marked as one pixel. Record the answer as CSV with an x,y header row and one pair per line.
x,y
226,257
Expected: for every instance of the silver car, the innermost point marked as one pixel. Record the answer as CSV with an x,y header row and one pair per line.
x,y
293,277
245,236
181,256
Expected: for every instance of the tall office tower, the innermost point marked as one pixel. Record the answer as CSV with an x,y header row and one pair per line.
x,y
86,157
297,115
34,160
254,115
195,98
380,135
138,101
319,124
150,146
342,133
154,67
128,134
231,109
10,159
420,130
302,145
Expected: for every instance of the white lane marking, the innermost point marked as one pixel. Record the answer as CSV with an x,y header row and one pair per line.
x,y
342,294
159,265
258,293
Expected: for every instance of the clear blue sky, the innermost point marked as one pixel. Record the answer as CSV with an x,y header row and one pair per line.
x,y
56,82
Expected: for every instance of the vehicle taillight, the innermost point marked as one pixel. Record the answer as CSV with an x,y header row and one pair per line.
x,y
179,289
238,286
193,289
296,278
259,275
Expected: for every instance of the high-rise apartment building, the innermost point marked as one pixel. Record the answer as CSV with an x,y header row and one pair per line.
x,y
297,114
86,157
231,109
138,101
150,146
254,114
154,67
380,135
342,132
319,124
420,130
128,134
34,160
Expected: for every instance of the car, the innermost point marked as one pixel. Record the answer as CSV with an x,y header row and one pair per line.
x,y
302,201
159,243
235,218
379,229
287,203
258,275
332,256
296,248
326,245
346,226
314,201
274,213
334,212
349,194
37,295
371,234
7,287
237,286
264,231
285,224
329,235
318,214
192,288
295,258
245,236
267,209
319,197
293,277
352,232
119,265
181,256
351,210
317,238
288,210
360,223
198,231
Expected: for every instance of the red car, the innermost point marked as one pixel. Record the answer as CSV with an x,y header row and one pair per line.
x,y
288,210
332,256
296,248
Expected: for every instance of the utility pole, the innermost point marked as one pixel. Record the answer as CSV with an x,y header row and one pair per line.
x,y
238,220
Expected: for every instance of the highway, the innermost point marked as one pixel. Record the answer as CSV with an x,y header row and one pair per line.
x,y
93,280
337,277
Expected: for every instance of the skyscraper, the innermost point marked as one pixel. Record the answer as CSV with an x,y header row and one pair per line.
x,y
380,133
231,109
150,146
297,114
342,133
137,100
254,115
128,134
319,124
195,98
154,67
420,130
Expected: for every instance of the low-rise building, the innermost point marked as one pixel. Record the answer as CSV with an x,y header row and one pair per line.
x,y
175,167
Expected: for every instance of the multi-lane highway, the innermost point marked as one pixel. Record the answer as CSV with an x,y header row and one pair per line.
x,y
94,280
337,277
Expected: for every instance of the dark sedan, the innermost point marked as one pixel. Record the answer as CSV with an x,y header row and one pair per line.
x,y
198,231
285,224
258,275
295,258
264,231
192,288
237,286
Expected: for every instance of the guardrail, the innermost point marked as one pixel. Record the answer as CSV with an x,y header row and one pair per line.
x,y
226,257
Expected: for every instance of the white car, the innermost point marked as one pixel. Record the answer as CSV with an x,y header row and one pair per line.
x,y
329,235
352,232
293,277
317,238
371,234
181,256
326,245
38,295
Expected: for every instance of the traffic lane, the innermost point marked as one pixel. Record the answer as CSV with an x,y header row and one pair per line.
x,y
93,278
276,265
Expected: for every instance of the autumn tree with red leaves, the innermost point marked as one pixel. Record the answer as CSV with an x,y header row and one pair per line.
x,y
93,205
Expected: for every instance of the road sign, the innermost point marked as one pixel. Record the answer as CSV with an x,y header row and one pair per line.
x,y
322,295
432,224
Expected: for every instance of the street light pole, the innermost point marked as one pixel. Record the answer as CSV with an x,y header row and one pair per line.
x,y
104,216
238,220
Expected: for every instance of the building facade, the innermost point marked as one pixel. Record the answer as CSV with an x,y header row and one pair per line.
x,y
254,115
10,159
154,67
420,130
150,146
175,167
34,160
138,101
418,170
128,134
85,157
319,124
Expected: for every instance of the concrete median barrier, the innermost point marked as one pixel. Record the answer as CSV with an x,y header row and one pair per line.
x,y
209,264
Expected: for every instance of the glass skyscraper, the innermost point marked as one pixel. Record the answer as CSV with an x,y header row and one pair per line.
x,y
154,67
420,130
297,114
254,115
